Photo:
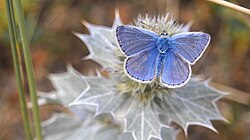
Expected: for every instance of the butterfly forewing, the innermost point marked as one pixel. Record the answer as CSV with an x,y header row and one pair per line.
x,y
176,72
142,65
133,40
190,45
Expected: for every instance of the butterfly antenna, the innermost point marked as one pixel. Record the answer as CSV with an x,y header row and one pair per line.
x,y
172,25
149,25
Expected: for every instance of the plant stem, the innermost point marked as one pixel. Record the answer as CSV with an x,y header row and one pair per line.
x,y
29,67
18,73
231,5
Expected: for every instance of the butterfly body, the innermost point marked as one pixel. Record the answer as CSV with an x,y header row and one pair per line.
x,y
163,44
159,61
168,58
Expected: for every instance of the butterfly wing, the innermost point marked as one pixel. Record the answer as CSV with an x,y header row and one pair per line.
x,y
190,45
141,67
133,40
176,72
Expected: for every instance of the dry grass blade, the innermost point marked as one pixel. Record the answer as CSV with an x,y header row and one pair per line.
x,y
234,94
231,5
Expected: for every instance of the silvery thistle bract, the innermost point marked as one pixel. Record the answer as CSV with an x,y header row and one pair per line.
x,y
142,111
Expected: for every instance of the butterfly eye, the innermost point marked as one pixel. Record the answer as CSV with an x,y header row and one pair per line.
x,y
164,33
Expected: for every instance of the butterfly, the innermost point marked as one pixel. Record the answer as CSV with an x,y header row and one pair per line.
x,y
168,58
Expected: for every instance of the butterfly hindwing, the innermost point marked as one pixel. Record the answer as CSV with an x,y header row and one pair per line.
x,y
142,65
175,72
133,40
190,45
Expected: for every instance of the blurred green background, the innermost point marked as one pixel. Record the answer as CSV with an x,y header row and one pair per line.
x,y
50,24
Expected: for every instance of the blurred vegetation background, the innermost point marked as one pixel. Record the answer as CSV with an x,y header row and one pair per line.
x,y
50,25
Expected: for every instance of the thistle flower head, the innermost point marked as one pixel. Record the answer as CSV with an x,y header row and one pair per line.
x,y
162,23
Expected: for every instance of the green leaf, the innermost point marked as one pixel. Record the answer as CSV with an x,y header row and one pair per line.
x,y
68,85
102,43
193,104
66,127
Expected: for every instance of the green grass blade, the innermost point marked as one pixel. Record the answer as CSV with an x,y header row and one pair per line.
x,y
18,73
29,68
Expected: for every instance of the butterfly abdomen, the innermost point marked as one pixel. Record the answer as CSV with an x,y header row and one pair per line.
x,y
159,61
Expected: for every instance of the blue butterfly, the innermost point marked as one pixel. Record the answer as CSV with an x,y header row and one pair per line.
x,y
167,58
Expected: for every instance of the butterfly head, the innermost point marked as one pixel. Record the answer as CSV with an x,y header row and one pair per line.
x,y
164,34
